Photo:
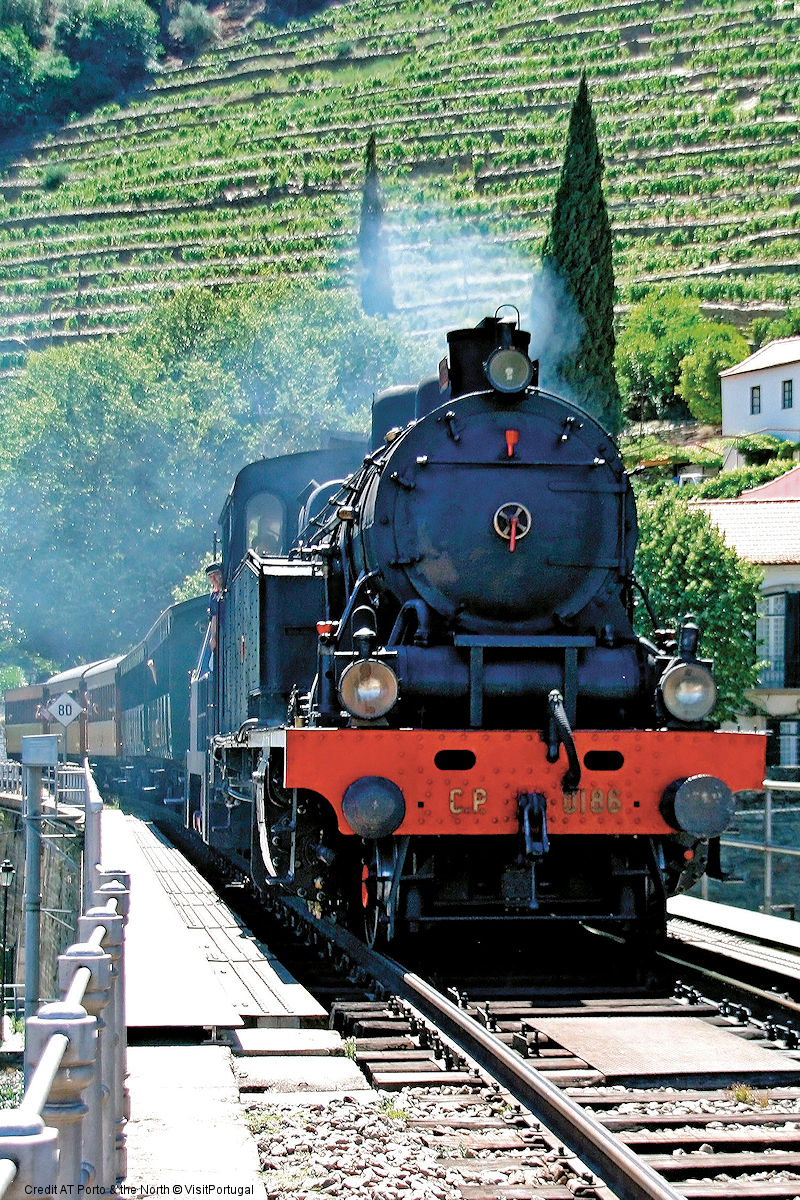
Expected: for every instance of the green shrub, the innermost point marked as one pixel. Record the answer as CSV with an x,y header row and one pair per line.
x,y
759,448
54,175
53,79
194,27
730,484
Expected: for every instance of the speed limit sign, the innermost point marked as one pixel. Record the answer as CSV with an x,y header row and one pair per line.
x,y
65,709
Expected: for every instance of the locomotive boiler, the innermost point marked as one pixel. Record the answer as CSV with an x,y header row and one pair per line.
x,y
429,704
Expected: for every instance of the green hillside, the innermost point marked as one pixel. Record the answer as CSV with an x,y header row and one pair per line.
x,y
248,162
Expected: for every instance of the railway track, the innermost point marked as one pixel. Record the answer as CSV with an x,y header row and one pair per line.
x,y
506,1107
532,1118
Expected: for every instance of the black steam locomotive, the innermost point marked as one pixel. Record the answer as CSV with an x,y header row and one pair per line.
x,y
474,730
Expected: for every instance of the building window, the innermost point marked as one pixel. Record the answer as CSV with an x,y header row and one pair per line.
x,y
778,639
788,743
771,639
755,400
786,393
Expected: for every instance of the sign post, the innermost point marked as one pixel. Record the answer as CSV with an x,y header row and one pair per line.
x,y
65,709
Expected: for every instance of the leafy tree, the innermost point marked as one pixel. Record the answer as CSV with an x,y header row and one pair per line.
x,y
578,249
109,39
129,448
17,664
658,334
686,567
764,330
17,60
25,13
53,78
195,584
720,346
376,281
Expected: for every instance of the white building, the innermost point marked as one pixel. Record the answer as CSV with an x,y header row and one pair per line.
x,y
762,394
763,527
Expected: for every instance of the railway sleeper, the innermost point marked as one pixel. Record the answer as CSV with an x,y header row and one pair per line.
x,y
687,1166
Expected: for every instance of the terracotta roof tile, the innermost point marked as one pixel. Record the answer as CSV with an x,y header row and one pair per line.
x,y
760,531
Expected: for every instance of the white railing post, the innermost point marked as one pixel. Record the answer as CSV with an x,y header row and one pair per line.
x,y
92,838
65,1108
95,998
33,1148
33,888
115,885
75,1048
89,927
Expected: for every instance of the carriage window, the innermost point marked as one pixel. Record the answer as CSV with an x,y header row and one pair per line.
x,y
265,524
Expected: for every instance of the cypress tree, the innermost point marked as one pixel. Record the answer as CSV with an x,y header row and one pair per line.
x,y
578,249
376,282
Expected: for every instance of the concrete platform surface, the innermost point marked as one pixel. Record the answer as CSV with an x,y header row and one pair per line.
x,y
675,1046
285,1042
779,931
294,1074
187,1123
168,980
191,959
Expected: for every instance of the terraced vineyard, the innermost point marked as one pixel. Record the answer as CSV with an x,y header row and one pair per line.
x,y
248,162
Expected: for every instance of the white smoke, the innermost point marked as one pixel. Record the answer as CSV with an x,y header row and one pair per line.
x,y
556,327
446,278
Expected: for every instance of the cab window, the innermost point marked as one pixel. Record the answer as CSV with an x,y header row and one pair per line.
x,y
265,521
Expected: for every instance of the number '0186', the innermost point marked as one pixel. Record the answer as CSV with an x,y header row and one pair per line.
x,y
595,801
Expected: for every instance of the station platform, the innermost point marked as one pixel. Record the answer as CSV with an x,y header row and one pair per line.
x,y
191,965
190,961
777,931
755,939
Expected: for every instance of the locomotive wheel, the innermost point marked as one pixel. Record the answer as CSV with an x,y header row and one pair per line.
x,y
376,875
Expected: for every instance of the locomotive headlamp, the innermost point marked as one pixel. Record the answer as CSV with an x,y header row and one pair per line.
x,y
508,370
373,806
702,805
688,691
368,689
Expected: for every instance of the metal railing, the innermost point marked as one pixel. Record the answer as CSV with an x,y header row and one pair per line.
x,y
68,1132
767,846
11,777
63,785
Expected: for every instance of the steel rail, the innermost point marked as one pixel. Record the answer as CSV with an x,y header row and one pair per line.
x,y
776,999
619,1167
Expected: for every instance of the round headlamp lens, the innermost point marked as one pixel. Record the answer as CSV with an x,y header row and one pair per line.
x,y
368,689
688,691
508,370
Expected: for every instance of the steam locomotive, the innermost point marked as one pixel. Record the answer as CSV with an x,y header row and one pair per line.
x,y
474,730
421,700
